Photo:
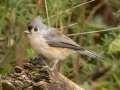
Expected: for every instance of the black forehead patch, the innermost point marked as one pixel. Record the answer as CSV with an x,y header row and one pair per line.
x,y
29,27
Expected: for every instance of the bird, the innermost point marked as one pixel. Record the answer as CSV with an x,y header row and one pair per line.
x,y
53,44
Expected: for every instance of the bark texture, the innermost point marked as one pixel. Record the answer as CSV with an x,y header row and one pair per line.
x,y
35,75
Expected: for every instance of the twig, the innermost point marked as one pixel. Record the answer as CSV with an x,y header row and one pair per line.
x,y
68,10
104,30
94,10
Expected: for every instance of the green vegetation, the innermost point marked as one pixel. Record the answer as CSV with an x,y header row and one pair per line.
x,y
14,47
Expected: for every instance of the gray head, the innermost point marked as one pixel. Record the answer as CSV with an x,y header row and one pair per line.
x,y
35,26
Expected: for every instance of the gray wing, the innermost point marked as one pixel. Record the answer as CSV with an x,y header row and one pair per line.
x,y
56,39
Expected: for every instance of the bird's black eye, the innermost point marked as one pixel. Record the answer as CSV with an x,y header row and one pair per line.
x,y
29,28
35,29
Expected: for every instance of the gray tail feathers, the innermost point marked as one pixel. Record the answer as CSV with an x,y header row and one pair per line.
x,y
89,53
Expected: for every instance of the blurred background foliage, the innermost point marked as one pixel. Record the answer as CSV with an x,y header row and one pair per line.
x,y
71,17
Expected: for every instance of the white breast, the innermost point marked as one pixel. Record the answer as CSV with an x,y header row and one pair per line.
x,y
41,47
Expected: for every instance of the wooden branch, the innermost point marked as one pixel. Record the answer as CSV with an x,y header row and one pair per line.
x,y
35,76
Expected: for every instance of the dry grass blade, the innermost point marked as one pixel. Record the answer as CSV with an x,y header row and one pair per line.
x,y
46,7
104,30
67,10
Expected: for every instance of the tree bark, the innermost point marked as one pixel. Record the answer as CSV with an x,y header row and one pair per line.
x,y
34,75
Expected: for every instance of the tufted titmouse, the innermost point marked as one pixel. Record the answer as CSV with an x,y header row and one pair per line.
x,y
51,43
